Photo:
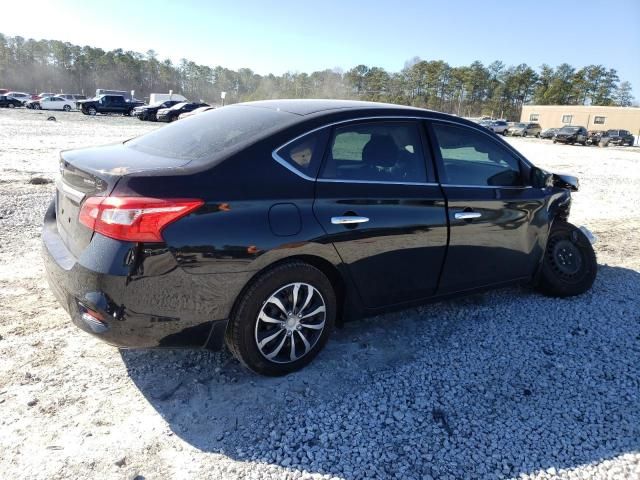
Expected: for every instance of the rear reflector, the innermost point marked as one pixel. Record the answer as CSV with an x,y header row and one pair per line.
x,y
92,319
134,219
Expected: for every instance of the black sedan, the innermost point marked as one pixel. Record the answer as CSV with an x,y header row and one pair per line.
x,y
149,112
172,113
549,133
9,102
264,224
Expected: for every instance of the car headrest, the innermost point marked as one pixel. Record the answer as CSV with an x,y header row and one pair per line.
x,y
380,151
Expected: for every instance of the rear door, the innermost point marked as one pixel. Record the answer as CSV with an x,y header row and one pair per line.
x,y
377,200
495,218
54,103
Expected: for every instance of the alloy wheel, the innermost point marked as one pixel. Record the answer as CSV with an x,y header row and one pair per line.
x,y
290,323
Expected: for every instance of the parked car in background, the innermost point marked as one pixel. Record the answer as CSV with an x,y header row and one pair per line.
x,y
594,136
549,133
163,97
72,96
149,112
9,102
195,112
53,103
262,224
3,91
571,134
172,113
21,96
617,137
107,104
499,126
525,129
31,104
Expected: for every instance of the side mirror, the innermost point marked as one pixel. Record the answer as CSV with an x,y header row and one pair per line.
x,y
540,178
566,181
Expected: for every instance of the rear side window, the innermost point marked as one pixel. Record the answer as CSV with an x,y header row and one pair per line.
x,y
305,153
213,133
472,158
377,152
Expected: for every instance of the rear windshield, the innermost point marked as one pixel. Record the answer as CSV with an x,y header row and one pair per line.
x,y
212,133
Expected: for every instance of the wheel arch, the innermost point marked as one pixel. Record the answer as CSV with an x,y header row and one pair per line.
x,y
331,271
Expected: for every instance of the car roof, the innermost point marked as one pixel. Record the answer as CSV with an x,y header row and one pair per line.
x,y
312,106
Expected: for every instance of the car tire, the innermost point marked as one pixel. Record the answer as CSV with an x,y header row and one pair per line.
x,y
504,133
264,346
92,111
555,141
537,135
11,105
66,108
569,266
524,134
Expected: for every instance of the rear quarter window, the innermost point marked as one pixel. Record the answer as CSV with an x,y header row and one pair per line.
x,y
304,154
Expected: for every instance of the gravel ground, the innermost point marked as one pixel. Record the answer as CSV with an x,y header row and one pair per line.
x,y
509,384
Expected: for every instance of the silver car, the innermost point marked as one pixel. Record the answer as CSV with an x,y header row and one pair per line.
x,y
525,129
499,126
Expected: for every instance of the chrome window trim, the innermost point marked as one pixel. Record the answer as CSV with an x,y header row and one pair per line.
x,y
376,182
522,187
477,128
287,165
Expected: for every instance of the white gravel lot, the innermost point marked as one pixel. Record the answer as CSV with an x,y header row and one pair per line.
x,y
509,384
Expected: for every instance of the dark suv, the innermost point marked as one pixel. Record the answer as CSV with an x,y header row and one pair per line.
x,y
617,137
107,104
572,134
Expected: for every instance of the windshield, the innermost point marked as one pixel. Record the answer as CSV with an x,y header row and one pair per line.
x,y
213,133
569,129
179,105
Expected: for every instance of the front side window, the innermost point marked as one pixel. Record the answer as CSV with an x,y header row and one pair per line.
x,y
376,152
472,158
567,118
598,120
305,154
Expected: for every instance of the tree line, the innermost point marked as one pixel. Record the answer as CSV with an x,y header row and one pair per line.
x,y
477,89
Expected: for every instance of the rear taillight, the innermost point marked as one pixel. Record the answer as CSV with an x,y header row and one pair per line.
x,y
134,219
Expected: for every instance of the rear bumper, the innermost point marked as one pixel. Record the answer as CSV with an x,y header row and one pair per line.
x,y
162,307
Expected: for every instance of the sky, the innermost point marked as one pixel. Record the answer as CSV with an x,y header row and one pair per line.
x,y
303,36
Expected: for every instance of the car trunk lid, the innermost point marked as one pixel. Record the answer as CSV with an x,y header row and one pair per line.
x,y
94,172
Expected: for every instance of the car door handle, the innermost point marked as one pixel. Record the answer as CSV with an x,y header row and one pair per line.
x,y
466,215
348,220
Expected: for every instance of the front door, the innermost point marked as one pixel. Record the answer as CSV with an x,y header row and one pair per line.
x,y
496,219
382,210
